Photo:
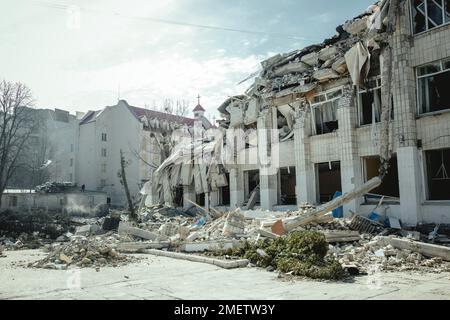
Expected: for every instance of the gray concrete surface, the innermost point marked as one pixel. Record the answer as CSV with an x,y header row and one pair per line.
x,y
165,278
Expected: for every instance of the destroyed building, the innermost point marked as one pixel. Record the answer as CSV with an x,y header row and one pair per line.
x,y
323,120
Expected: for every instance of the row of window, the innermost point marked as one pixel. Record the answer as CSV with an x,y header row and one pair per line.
x,y
433,95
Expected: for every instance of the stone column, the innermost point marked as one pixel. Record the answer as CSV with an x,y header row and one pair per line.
x,y
410,185
304,168
236,188
213,198
268,155
351,176
404,135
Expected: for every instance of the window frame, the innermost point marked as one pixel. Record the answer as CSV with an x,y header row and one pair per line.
x,y
444,22
359,91
316,105
442,70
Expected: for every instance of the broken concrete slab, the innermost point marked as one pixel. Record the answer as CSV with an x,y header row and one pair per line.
x,y
134,247
426,249
126,229
87,230
226,264
332,236
210,246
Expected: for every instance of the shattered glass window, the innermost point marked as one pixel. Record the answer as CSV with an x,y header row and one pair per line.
x,y
434,9
369,102
433,93
419,16
428,14
325,111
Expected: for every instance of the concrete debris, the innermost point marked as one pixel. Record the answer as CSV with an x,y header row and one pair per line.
x,y
234,224
378,251
87,230
127,229
83,252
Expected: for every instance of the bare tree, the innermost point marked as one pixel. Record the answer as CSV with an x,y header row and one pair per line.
x,y
179,108
16,126
34,162
182,108
123,180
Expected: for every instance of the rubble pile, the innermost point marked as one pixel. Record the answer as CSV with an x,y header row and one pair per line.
x,y
83,252
253,238
376,252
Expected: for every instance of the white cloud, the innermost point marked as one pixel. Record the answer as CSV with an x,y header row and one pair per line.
x,y
180,77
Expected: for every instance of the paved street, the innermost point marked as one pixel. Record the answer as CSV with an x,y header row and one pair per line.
x,y
165,278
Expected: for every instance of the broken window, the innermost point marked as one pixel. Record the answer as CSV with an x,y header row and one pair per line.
x,y
428,14
324,112
369,102
287,186
389,186
329,177
438,166
432,84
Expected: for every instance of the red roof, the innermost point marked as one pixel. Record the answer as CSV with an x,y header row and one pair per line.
x,y
151,114
198,108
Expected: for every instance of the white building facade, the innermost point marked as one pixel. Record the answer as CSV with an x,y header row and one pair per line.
x,y
139,133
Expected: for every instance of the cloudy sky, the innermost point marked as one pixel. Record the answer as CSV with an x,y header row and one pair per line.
x,y
76,54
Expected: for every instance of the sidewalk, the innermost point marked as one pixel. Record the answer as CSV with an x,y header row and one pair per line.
x,y
164,278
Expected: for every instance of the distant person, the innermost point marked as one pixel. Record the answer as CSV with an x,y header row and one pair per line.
x,y
83,187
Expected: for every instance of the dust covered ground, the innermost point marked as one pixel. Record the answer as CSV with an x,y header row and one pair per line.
x,y
153,277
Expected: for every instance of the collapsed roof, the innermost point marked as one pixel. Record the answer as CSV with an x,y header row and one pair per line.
x,y
348,57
